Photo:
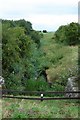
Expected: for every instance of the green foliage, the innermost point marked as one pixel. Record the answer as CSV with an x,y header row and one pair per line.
x,y
25,24
36,37
61,60
72,33
16,50
37,85
20,53
68,34
27,53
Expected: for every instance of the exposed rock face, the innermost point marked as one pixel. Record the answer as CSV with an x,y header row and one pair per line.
x,y
72,85
1,80
1,83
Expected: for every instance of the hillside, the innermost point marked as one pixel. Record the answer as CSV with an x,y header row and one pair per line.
x,y
62,60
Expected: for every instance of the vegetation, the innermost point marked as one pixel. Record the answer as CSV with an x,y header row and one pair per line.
x,y
13,108
29,56
44,31
19,44
68,34
31,61
61,60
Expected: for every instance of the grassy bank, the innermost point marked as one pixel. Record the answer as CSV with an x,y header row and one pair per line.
x,y
62,60
13,108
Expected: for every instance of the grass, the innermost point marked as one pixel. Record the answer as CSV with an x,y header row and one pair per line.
x,y
13,108
62,60
0,108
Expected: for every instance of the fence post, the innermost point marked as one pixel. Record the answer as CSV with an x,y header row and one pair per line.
x,y
41,97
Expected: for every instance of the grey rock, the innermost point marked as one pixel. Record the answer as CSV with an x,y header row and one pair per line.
x,y
1,80
72,85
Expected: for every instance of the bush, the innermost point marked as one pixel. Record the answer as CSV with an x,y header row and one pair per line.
x,y
68,34
37,85
44,31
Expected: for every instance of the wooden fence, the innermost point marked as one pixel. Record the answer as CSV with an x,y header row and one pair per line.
x,y
41,93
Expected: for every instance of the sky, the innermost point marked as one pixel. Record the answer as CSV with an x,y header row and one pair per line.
x,y
43,14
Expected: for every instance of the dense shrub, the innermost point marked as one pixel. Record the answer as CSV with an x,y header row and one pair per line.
x,y
68,34
44,31
19,48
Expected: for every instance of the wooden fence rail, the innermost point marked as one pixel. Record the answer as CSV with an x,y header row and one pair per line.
x,y
39,92
50,98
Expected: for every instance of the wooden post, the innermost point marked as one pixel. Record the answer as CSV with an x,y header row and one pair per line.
x,y
41,97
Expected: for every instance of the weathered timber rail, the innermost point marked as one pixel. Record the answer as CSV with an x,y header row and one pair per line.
x,y
38,92
4,95
50,98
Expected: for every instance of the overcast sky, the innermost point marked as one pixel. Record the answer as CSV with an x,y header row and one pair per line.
x,y
43,14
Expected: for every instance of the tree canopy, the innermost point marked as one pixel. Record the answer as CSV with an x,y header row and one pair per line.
x,y
68,34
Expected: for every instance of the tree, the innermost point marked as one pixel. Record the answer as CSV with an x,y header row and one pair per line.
x,y
72,33
15,49
68,34
25,24
20,53
44,31
36,37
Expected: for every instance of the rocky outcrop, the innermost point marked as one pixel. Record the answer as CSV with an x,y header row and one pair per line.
x,y
1,83
1,80
72,85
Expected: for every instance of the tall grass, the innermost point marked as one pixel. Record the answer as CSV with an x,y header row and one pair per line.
x,y
62,60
